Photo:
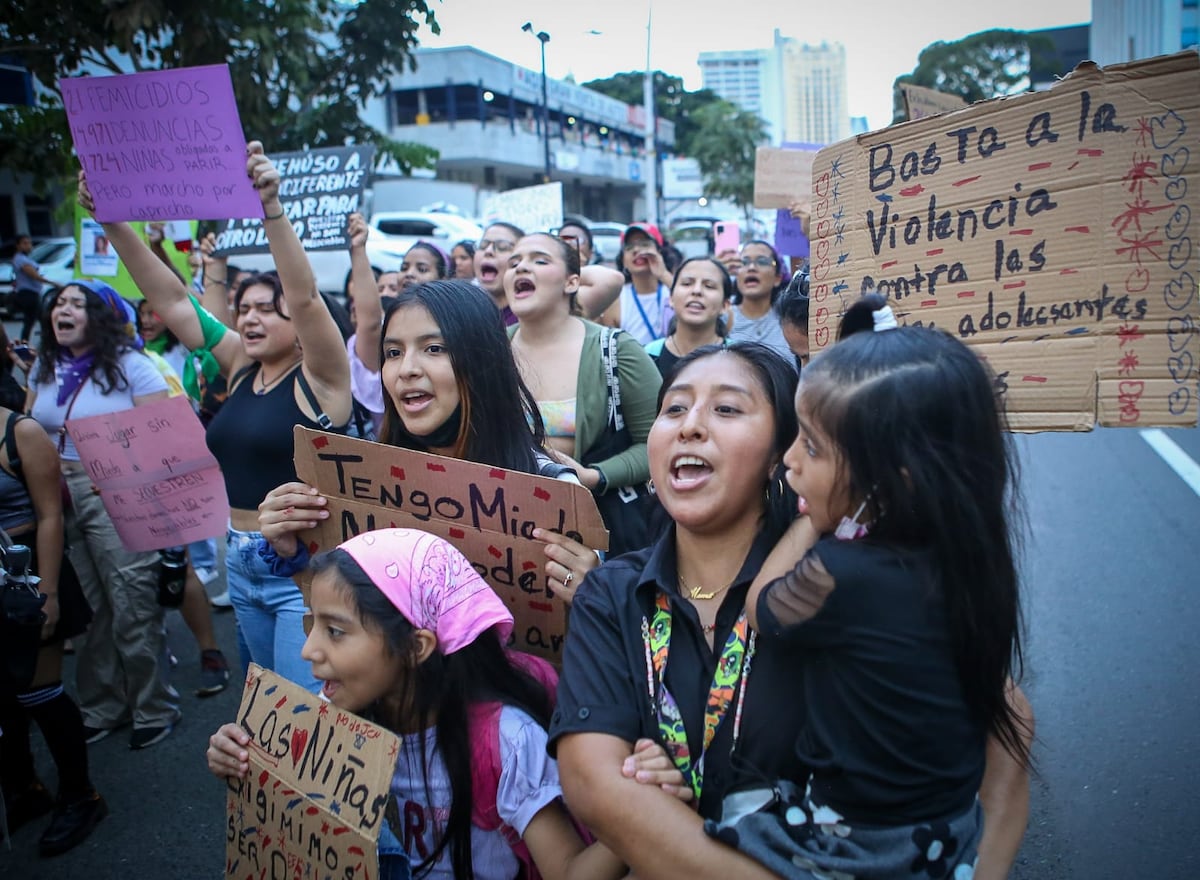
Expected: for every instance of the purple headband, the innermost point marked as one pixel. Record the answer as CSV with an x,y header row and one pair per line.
x,y
120,307
432,584
447,265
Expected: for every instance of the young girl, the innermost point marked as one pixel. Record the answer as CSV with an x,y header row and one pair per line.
x,y
423,262
405,632
700,295
449,386
562,360
902,613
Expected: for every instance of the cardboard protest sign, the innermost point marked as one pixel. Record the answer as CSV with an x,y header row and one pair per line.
x,y
920,102
157,479
319,190
314,800
781,176
161,145
1052,231
532,208
487,513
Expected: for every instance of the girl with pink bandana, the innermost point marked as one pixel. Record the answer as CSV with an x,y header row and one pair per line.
x,y
403,630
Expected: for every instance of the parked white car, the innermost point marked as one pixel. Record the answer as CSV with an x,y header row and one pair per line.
x,y
55,258
392,234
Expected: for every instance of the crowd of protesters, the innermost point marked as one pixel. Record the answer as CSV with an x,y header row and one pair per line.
x,y
797,658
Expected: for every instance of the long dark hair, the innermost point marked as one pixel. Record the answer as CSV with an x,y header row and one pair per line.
x,y
271,280
916,422
777,379
501,424
106,336
441,691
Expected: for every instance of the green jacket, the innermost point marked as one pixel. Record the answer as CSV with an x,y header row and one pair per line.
x,y
639,380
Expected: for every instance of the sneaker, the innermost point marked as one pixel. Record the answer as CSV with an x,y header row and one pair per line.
x,y
221,602
95,734
214,673
144,737
206,575
72,823
24,806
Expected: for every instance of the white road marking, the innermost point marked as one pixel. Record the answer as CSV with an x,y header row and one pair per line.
x,y
1178,460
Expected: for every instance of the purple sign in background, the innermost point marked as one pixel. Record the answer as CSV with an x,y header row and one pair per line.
x,y
789,235
161,145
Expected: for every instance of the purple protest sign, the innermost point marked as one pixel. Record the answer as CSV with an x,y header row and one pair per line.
x,y
789,235
161,145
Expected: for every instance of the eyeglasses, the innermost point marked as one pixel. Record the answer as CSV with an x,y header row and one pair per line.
x,y
500,246
761,262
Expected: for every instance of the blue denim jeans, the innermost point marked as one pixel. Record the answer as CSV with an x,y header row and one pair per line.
x,y
270,611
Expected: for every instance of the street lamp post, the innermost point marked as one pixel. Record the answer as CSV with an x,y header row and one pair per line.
x,y
543,38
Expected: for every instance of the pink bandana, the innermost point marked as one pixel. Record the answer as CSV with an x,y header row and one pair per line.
x,y
432,584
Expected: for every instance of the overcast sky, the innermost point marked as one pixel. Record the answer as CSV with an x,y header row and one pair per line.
x,y
882,39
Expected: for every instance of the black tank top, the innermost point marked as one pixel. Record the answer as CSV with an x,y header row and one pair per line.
x,y
251,435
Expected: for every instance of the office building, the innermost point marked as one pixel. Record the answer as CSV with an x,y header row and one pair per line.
x,y
483,115
799,90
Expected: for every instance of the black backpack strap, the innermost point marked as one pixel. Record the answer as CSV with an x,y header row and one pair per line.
x,y
236,379
323,419
10,447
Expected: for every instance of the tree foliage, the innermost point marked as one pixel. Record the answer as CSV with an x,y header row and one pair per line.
x,y
724,145
671,101
302,69
984,65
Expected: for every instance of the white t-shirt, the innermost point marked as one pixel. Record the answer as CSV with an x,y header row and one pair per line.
x,y
766,329
141,378
645,316
528,782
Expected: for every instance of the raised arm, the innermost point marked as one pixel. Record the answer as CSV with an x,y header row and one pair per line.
x,y
325,362
162,288
215,296
368,308
599,288
796,541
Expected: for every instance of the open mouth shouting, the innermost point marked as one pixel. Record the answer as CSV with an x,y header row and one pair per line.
x,y
523,286
689,472
489,272
415,401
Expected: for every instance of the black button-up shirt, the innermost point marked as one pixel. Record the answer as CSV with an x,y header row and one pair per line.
x,y
604,687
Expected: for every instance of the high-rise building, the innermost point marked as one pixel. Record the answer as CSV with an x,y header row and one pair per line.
x,y
816,101
799,90
749,78
1123,30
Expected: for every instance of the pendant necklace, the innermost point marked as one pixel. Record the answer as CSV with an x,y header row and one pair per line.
x,y
698,592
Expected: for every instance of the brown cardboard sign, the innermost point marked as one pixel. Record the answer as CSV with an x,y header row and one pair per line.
x,y
920,102
313,802
1052,231
781,176
487,513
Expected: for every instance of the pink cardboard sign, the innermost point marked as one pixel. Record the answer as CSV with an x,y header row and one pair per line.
x,y
161,145
157,479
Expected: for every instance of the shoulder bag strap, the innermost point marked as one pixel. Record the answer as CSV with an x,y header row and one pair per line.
x,y
323,419
10,447
608,351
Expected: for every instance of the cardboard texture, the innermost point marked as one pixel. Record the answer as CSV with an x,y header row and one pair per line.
x,y
319,190
781,176
920,102
157,479
1052,231
161,144
487,513
532,208
313,802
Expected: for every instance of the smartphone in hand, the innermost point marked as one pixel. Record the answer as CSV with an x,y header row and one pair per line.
x,y
726,237
24,353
